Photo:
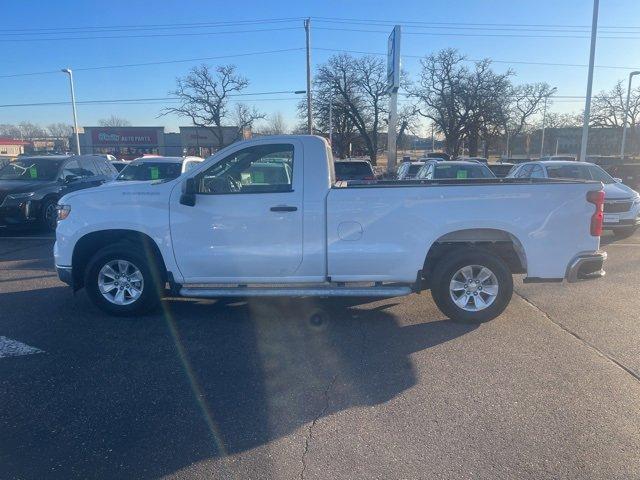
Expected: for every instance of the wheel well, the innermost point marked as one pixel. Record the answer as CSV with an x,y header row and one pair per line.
x,y
88,245
500,243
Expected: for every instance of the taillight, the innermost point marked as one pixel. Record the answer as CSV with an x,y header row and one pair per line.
x,y
597,198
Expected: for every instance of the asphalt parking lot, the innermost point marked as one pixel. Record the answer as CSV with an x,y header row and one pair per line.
x,y
378,390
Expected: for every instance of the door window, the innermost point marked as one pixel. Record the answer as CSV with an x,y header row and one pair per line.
x,y
258,169
72,168
536,172
88,168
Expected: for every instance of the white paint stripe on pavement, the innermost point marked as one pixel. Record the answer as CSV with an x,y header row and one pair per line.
x,y
14,348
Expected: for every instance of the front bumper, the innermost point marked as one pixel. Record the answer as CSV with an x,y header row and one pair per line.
x,y
65,274
25,213
586,267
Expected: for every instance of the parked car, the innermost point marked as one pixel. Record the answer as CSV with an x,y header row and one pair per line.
x,y
473,159
621,203
500,170
437,155
460,170
408,170
214,233
629,173
153,167
353,170
561,158
31,186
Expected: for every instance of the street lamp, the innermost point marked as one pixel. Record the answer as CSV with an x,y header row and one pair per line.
x,y
544,117
626,114
73,104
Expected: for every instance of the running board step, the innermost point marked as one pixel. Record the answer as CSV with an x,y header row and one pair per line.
x,y
391,291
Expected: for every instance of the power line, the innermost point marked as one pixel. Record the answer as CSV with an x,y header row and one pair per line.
x,y
152,35
162,62
468,27
477,60
465,24
498,35
154,25
146,100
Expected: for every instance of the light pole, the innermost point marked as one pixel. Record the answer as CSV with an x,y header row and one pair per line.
x,y
626,114
73,104
544,117
587,102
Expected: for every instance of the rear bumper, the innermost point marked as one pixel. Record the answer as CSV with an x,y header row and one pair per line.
x,y
586,266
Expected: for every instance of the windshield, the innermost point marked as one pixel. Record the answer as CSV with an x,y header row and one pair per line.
x,y
44,169
150,171
462,171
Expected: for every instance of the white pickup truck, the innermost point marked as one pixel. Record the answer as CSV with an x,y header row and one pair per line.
x,y
265,217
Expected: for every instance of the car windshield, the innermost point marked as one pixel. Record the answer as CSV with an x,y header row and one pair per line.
x,y
579,172
45,169
462,171
352,168
414,169
150,171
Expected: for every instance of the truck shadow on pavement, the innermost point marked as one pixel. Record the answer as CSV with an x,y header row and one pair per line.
x,y
147,397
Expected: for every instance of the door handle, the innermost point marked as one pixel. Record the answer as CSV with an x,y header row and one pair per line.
x,y
283,208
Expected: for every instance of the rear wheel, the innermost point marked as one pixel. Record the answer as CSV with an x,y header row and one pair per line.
x,y
472,285
124,281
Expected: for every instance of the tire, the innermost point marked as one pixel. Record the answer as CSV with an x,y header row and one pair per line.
x,y
624,232
49,215
455,267
129,302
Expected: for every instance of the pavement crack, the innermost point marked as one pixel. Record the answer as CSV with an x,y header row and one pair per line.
x,y
309,436
585,342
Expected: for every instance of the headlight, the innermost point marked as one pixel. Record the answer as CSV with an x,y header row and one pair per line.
x,y
63,211
21,196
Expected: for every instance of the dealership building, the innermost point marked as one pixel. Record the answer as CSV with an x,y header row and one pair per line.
x,y
132,142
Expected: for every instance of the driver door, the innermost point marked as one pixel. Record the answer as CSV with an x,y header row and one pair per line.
x,y
246,224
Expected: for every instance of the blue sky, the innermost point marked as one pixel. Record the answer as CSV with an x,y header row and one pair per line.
x,y
35,51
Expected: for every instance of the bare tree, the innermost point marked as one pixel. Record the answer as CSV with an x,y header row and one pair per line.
x,y
358,87
439,93
408,121
275,125
607,109
114,121
204,97
60,130
524,103
30,131
244,117
8,130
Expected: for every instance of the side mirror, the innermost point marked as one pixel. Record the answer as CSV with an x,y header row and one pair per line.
x,y
188,196
70,178
618,180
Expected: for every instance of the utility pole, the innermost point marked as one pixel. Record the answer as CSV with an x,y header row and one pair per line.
x,y
557,141
393,84
433,138
544,118
331,121
69,72
307,29
626,114
587,103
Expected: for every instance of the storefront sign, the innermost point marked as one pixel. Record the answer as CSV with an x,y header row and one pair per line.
x,y
124,136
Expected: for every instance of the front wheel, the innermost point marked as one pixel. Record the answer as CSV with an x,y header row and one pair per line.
x,y
472,285
49,217
123,281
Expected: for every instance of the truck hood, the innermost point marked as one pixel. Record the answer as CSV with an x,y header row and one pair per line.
x,y
117,189
618,191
